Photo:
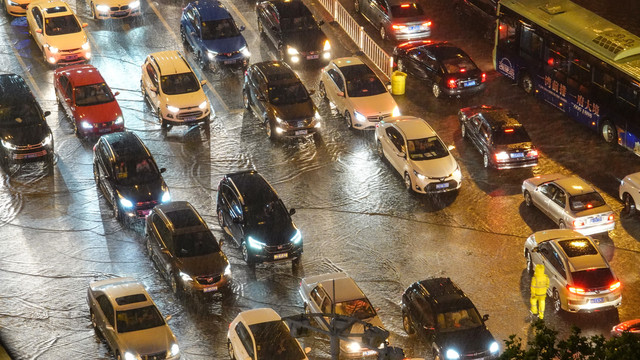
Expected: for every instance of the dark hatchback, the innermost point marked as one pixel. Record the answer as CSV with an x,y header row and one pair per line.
x,y
279,99
24,133
185,251
439,312
293,31
128,176
500,138
251,213
447,69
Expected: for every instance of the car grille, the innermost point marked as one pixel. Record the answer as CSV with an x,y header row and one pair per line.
x,y
189,114
157,356
208,279
477,355
103,125
230,54
432,186
24,6
70,50
300,123
28,147
278,248
376,118
115,8
146,204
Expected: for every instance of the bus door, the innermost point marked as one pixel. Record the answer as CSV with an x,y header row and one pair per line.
x,y
628,121
553,85
582,103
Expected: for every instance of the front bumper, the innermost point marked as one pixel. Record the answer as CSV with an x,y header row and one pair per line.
x,y
69,56
141,209
236,59
99,129
207,284
17,9
370,122
271,254
435,186
116,12
463,91
26,154
308,56
187,116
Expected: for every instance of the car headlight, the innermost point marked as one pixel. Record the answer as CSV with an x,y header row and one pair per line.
x,y
173,109
278,120
493,348
175,350
85,46
227,270
119,120
86,125
256,244
186,277
52,49
457,173
353,347
420,176
166,197
452,354
327,45
48,140
211,54
291,50
502,156
297,237
102,8
245,51
359,117
203,105
395,112
126,203
135,5
11,3
8,145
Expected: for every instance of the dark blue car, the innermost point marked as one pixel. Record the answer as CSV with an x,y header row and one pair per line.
x,y
207,28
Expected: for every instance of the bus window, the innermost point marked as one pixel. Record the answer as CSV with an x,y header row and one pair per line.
x,y
628,93
603,79
579,75
530,42
507,32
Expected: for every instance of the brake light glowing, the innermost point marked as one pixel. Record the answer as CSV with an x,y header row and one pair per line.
x,y
575,290
550,62
589,206
451,83
405,5
533,153
502,156
614,286
427,24
397,27
508,130
463,70
484,77
500,27
578,223
611,217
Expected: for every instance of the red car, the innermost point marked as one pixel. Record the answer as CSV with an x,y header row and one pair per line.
x,y
87,99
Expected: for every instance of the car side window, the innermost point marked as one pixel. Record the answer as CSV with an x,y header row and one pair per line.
x,y
226,194
236,208
426,313
337,79
37,16
430,61
396,138
475,121
191,14
326,305
106,308
163,231
553,258
245,338
547,190
65,86
485,132
272,14
315,295
381,5
152,74
418,55
560,198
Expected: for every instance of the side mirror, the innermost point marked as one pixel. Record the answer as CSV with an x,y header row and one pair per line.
x,y
485,317
203,82
340,93
84,25
116,93
108,327
402,155
154,89
167,318
307,350
241,28
292,211
39,31
321,22
451,147
312,91
47,113
163,170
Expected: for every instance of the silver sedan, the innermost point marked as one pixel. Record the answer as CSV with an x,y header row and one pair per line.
x,y
570,202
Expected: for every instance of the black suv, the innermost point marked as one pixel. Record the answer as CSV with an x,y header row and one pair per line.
x,y
129,178
250,211
280,100
24,133
292,30
185,251
442,314
500,138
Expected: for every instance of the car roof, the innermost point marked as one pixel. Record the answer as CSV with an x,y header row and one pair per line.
x,y
346,289
53,7
211,10
288,8
444,294
170,62
499,118
347,61
257,316
252,186
126,144
413,127
582,262
120,288
182,216
14,89
441,49
81,74
276,72
574,185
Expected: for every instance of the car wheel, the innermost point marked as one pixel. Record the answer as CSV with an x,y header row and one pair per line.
x,y
356,5
485,160
245,99
379,149
322,91
527,199
149,246
161,120
463,131
281,52
530,266
527,83
306,309
117,213
202,61
221,219
347,118
295,263
629,205
562,225
183,37
270,131
557,304
407,182
383,32
407,324
437,92
400,64
232,355
245,254
118,356
176,286
96,177
609,132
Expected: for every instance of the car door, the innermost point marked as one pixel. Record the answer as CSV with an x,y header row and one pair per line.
x,y
193,29
432,69
108,326
150,78
243,343
394,148
271,24
425,315
415,66
105,170
261,96
336,91
542,196
553,266
65,95
38,22
161,246
557,204
484,138
473,125
315,299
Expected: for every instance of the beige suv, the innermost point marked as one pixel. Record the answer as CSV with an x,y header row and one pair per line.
x,y
170,86
581,279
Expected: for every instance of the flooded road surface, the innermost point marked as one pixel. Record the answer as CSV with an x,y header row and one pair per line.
x,y
57,233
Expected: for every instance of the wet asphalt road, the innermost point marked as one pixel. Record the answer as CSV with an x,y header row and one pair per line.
x,y
57,233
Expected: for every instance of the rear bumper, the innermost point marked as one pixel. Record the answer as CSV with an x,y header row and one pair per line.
x,y
515,164
598,229
584,306
463,91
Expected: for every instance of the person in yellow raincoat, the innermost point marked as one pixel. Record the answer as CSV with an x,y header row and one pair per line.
x,y
539,286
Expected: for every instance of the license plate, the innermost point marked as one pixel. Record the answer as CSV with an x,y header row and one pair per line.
x,y
30,156
369,352
71,57
104,130
414,28
280,256
517,155
309,57
210,289
119,13
227,62
596,300
469,83
301,132
442,186
191,118
595,219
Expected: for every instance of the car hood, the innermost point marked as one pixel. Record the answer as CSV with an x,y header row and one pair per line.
x,y
359,328
277,233
150,191
226,45
297,111
468,341
632,179
98,113
148,341
113,2
436,168
514,147
211,264
374,105
67,41
25,135
192,99
535,181
310,40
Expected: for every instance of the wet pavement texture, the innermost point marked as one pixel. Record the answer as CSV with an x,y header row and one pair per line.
x,y
57,233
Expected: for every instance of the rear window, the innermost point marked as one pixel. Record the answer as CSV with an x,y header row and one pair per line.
x,y
579,247
459,63
514,135
183,218
586,201
593,278
406,10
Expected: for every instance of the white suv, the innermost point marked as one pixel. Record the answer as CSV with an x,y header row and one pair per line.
x,y
173,90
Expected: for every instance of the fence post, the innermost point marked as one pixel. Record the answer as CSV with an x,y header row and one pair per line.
x,y
390,66
335,11
361,38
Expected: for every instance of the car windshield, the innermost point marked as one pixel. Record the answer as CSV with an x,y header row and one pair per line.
x,y
577,247
274,341
513,135
195,244
288,94
586,201
459,320
219,29
272,212
180,83
138,319
60,25
426,149
406,10
459,63
300,23
93,94
20,114
593,278
358,308
362,81
136,171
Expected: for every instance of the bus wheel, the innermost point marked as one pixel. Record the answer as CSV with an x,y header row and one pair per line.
x,y
526,83
608,132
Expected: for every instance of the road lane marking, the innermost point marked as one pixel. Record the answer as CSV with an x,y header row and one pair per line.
x,y
242,18
28,73
95,44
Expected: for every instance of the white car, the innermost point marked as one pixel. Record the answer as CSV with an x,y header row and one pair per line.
x,y
170,86
629,192
123,314
114,9
58,32
570,202
260,334
357,93
318,295
415,150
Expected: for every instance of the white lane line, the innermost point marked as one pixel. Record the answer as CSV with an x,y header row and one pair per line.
x,y
239,14
27,73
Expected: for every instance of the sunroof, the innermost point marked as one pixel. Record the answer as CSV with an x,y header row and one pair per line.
x,y
131,299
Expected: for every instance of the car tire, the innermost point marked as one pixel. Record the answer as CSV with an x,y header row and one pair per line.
x,y
629,208
260,28
407,324
118,356
526,83
161,120
407,182
322,91
485,160
557,303
379,149
232,355
295,263
148,246
183,38
245,253
527,199
117,213
530,266
347,118
356,6
245,99
270,130
437,92
96,177
609,132
201,60
463,130
176,285
400,65
281,54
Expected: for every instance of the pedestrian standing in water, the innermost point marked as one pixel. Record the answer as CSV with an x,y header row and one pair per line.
x,y
539,286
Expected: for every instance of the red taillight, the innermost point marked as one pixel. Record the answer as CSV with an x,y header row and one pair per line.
x,y
451,83
508,130
484,77
550,62
405,5
463,70
500,27
611,217
575,290
427,24
397,27
614,286
578,223
589,206
533,153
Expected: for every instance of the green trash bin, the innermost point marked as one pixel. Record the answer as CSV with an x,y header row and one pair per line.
x,y
398,80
